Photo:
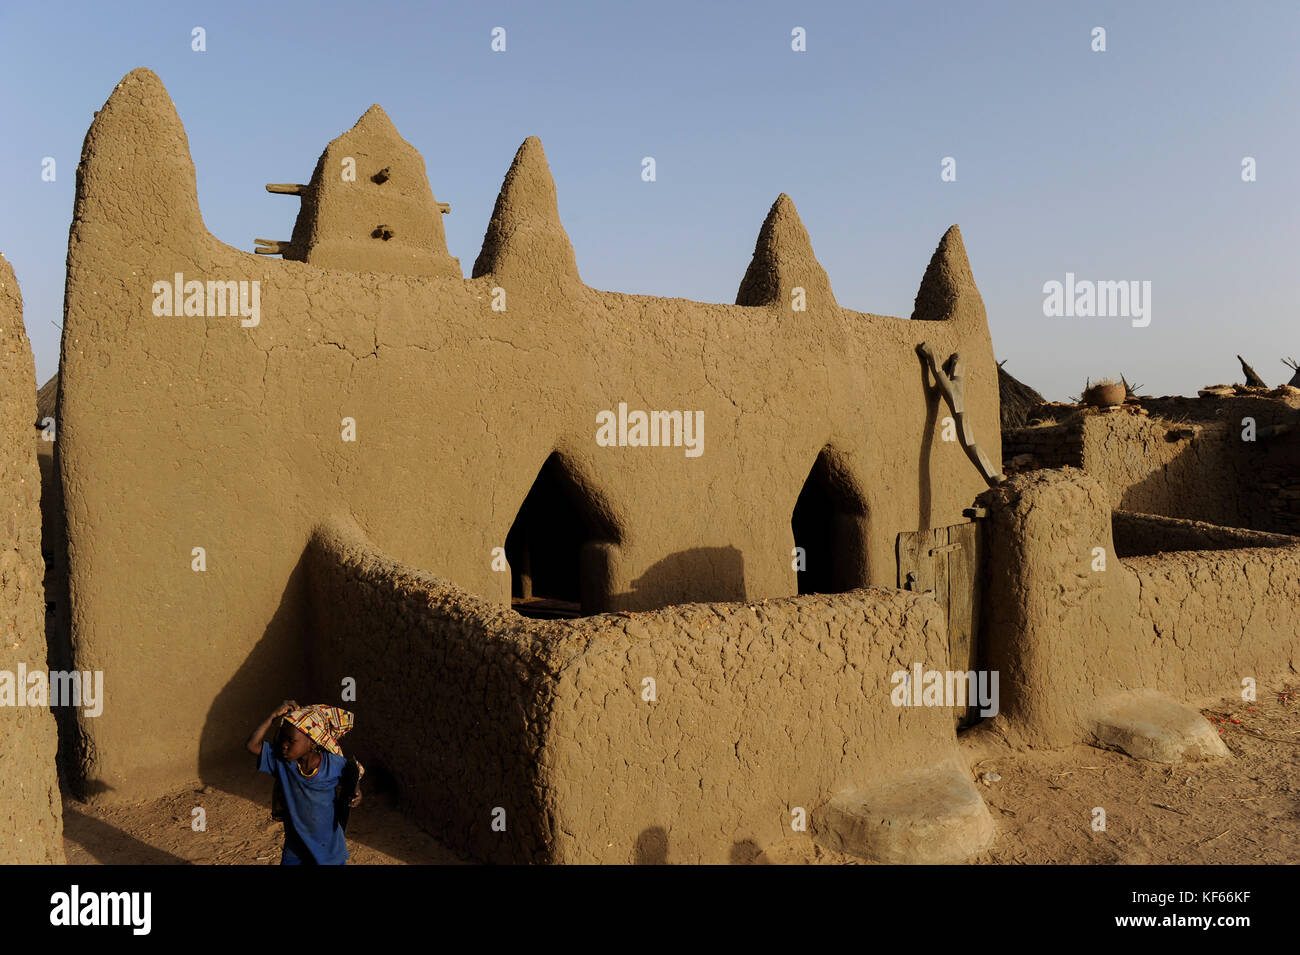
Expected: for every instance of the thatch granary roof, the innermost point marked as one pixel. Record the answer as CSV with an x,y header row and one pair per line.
x,y
1018,400
47,399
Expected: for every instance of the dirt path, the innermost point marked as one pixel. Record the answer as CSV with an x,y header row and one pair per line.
x,y
1240,810
239,830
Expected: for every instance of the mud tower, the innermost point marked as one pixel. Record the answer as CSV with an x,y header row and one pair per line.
x,y
368,207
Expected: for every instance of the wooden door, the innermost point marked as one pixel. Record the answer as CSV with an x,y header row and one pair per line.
x,y
947,562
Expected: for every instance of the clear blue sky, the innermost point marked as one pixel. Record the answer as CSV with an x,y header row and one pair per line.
x,y
1117,165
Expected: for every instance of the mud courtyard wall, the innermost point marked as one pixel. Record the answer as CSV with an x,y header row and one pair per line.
x,y
1049,446
31,812
453,693
1230,461
209,431
1061,634
759,710
1212,618
1272,499
754,710
1071,624
1158,467
1140,535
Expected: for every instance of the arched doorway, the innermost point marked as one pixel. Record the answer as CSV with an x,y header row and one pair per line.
x,y
558,547
830,525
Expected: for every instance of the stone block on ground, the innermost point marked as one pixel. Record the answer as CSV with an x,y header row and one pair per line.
x,y
923,818
1155,727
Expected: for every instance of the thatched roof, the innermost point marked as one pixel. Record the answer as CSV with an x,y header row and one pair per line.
x,y
1018,400
47,398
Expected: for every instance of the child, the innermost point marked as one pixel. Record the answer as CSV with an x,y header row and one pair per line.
x,y
308,765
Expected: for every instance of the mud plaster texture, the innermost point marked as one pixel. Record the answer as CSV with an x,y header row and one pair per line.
x,y
1048,446
193,431
758,709
1066,637
1140,535
54,549
1186,458
31,814
370,180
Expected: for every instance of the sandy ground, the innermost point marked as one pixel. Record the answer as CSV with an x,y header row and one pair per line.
x,y
1240,810
239,829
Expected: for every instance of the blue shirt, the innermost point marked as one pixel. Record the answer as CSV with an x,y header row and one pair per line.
x,y
310,829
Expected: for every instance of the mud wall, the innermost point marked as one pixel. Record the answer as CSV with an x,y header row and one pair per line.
x,y
757,709
1145,534
31,810
1049,446
1070,624
452,693
1060,634
1199,465
1186,459
234,437
1154,466
1211,619
1274,498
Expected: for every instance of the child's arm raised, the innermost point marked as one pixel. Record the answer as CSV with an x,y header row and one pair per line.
x,y
254,743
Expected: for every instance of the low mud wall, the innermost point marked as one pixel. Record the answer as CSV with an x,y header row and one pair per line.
x,y
759,710
1154,466
1213,618
1069,623
689,734
1144,534
1047,446
1235,463
1231,461
451,693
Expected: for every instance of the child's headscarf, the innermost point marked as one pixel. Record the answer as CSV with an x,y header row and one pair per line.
x,y
323,723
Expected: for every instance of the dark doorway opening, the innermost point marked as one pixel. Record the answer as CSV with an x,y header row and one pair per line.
x,y
557,547
830,525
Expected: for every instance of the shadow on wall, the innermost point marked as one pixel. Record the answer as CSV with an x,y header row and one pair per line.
x,y
689,576
275,669
71,758
387,831
1144,535
924,497
1218,478
1199,483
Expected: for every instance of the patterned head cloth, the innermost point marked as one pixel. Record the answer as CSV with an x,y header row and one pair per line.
x,y
325,724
